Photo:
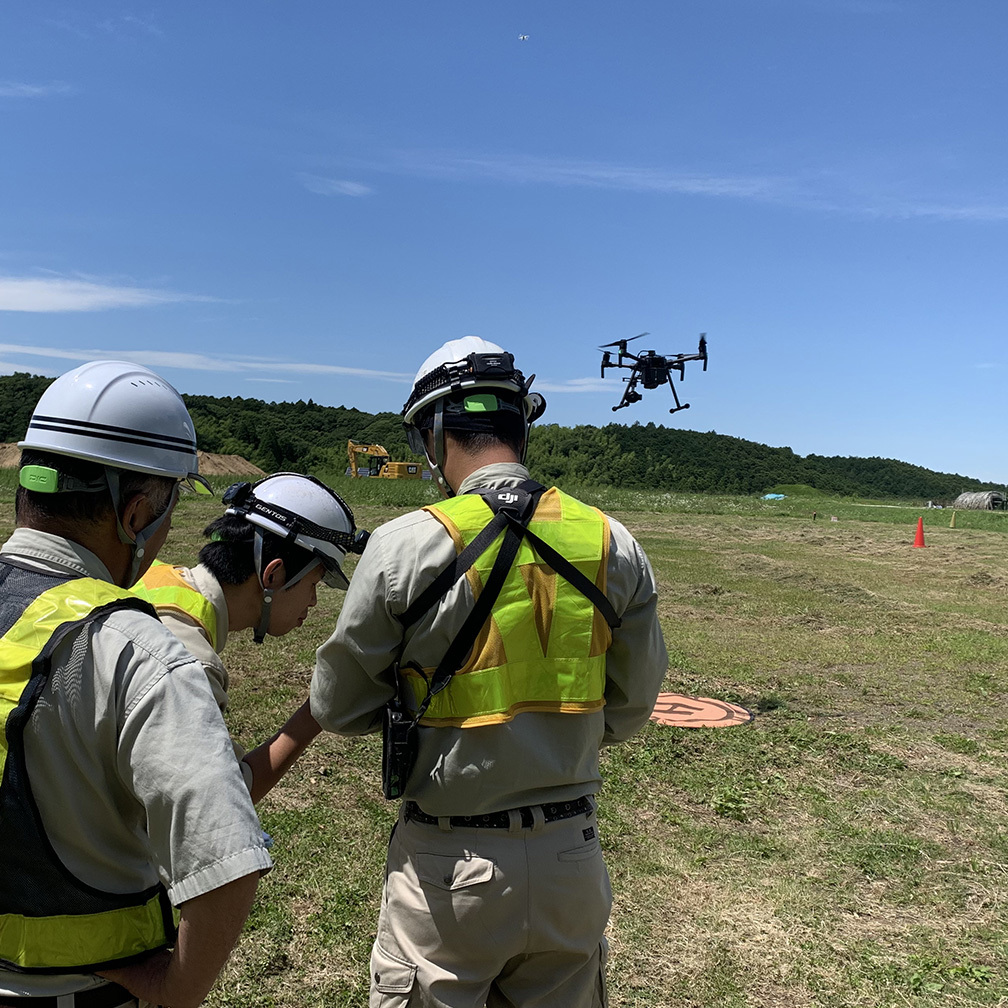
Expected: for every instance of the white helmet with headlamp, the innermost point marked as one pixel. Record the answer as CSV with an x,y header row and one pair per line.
x,y
304,512
464,380
120,416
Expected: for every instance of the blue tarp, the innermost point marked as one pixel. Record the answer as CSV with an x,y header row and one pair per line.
x,y
774,496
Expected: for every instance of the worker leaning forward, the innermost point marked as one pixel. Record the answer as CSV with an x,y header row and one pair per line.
x,y
267,553
122,809
501,637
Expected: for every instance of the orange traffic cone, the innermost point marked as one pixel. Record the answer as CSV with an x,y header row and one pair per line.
x,y
919,539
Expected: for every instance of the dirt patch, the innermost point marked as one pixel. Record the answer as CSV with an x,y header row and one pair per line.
x,y
226,465
210,464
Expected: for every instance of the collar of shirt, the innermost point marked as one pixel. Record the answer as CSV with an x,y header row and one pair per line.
x,y
497,474
210,588
55,554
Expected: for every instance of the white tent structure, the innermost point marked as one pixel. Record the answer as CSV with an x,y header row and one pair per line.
x,y
980,500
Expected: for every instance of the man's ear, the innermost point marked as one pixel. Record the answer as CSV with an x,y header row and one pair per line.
x,y
136,515
274,576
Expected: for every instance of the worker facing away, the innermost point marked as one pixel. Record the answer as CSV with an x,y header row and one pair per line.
x,y
276,542
122,807
499,639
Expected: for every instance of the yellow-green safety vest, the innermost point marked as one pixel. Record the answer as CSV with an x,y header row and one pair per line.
x,y
165,588
51,921
543,646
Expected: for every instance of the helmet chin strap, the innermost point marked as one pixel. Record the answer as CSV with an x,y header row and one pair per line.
x,y
138,544
259,634
438,461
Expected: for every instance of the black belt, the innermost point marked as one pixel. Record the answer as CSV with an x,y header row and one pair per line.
x,y
109,996
502,820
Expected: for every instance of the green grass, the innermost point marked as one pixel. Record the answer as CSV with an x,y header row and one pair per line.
x,y
847,848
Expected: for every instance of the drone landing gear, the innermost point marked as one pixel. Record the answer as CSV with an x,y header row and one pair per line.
x,y
678,405
629,396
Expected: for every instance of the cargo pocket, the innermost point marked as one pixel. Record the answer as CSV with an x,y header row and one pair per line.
x,y
451,871
392,979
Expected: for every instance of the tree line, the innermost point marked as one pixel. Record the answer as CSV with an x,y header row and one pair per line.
x,y
307,437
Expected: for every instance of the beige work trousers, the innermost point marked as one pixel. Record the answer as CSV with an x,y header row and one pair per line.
x,y
495,917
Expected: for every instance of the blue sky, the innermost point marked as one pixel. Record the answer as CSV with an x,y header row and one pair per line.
x,y
294,200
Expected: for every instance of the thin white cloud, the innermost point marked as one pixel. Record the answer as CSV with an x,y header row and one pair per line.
x,y
249,366
9,367
990,212
72,294
571,385
332,187
20,89
157,359
127,24
526,170
68,25
825,191
125,27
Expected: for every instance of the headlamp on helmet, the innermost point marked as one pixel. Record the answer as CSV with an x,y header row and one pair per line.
x,y
486,367
304,511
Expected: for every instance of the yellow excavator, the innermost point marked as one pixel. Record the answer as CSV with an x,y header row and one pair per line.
x,y
373,460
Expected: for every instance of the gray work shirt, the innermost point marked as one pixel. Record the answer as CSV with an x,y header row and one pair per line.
x,y
536,757
196,642
129,760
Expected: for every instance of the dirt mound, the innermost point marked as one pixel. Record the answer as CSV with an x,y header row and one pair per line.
x,y
226,465
210,464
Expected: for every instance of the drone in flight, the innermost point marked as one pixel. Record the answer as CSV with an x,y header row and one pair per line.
x,y
649,369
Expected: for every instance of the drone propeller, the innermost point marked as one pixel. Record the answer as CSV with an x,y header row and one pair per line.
x,y
623,342
702,349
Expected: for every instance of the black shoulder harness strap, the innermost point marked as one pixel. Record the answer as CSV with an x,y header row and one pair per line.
x,y
513,508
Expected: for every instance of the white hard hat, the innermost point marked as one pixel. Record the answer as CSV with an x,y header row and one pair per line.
x,y
470,363
304,511
120,415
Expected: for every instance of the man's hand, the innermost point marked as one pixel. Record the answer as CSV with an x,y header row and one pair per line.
x,y
209,927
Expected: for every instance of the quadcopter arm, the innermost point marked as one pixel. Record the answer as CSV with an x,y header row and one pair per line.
x,y
678,362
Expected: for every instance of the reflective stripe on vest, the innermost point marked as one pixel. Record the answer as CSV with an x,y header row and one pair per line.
x,y
82,942
165,588
543,647
51,921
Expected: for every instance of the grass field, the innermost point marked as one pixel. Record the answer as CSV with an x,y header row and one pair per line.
x,y
849,847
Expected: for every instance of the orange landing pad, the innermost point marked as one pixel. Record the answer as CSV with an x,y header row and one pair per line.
x,y
681,711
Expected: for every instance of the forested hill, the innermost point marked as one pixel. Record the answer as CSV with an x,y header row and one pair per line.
x,y
307,437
